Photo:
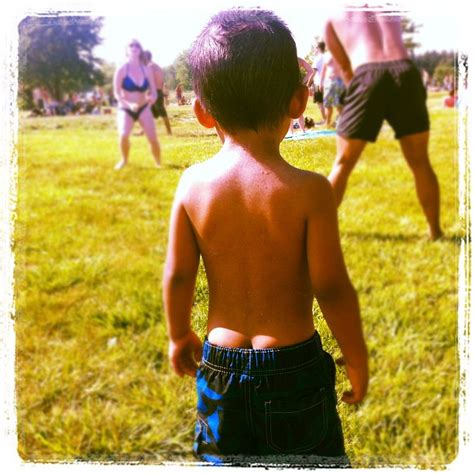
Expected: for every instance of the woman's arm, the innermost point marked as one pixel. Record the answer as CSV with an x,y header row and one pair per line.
x,y
310,72
118,78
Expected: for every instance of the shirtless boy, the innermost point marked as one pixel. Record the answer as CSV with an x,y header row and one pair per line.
x,y
268,236
382,83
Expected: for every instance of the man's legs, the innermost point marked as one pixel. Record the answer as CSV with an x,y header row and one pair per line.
x,y
348,152
167,124
323,112
415,150
328,111
318,99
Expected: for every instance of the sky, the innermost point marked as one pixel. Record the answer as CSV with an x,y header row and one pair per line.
x,y
168,29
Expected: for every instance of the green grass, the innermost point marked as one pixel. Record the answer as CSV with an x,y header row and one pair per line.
x,y
93,381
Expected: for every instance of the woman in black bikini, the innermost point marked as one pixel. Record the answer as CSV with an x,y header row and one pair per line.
x,y
135,91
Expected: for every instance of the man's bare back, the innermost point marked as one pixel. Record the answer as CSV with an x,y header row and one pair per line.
x,y
367,36
249,217
157,75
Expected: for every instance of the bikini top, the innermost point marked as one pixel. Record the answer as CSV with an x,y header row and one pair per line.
x,y
129,85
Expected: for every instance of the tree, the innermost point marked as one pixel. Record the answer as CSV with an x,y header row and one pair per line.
x,y
409,29
170,77
429,60
55,52
309,58
108,72
183,72
443,69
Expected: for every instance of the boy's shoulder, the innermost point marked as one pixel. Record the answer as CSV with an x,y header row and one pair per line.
x,y
314,189
308,178
194,175
197,171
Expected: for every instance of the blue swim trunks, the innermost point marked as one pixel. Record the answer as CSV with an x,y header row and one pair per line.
x,y
333,92
268,406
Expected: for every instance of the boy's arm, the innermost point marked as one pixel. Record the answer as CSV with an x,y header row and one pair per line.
x,y
181,267
338,52
333,289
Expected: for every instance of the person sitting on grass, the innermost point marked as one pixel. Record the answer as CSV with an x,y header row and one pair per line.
x,y
307,79
451,100
180,98
268,236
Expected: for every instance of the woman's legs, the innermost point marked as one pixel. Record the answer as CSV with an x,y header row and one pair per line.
x,y
125,125
148,124
301,123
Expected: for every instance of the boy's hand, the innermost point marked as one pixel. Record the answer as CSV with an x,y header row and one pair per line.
x,y
184,354
359,378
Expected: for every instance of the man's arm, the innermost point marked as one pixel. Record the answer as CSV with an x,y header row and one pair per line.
x,y
322,76
333,289
181,267
152,96
338,52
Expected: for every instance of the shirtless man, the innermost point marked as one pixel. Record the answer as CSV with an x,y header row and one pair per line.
x,y
382,83
318,67
158,108
332,86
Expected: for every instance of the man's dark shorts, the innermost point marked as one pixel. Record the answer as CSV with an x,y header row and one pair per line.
x,y
158,108
317,96
268,406
391,90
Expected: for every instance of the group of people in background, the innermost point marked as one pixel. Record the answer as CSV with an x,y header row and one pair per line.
x,y
325,85
93,102
139,92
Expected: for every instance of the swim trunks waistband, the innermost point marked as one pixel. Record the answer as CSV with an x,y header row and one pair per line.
x,y
383,65
263,361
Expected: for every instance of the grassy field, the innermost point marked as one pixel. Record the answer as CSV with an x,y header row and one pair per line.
x,y
93,381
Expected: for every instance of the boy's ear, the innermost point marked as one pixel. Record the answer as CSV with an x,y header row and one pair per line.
x,y
298,101
203,116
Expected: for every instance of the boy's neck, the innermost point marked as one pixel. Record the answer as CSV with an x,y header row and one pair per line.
x,y
261,145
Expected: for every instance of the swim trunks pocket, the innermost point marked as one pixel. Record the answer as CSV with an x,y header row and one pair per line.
x,y
295,425
201,432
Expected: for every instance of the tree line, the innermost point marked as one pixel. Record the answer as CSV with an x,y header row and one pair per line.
x,y
56,53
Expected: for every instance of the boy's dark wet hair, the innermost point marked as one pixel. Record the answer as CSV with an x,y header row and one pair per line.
x,y
245,68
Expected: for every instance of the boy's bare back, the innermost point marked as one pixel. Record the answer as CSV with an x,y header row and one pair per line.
x,y
250,217
267,232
